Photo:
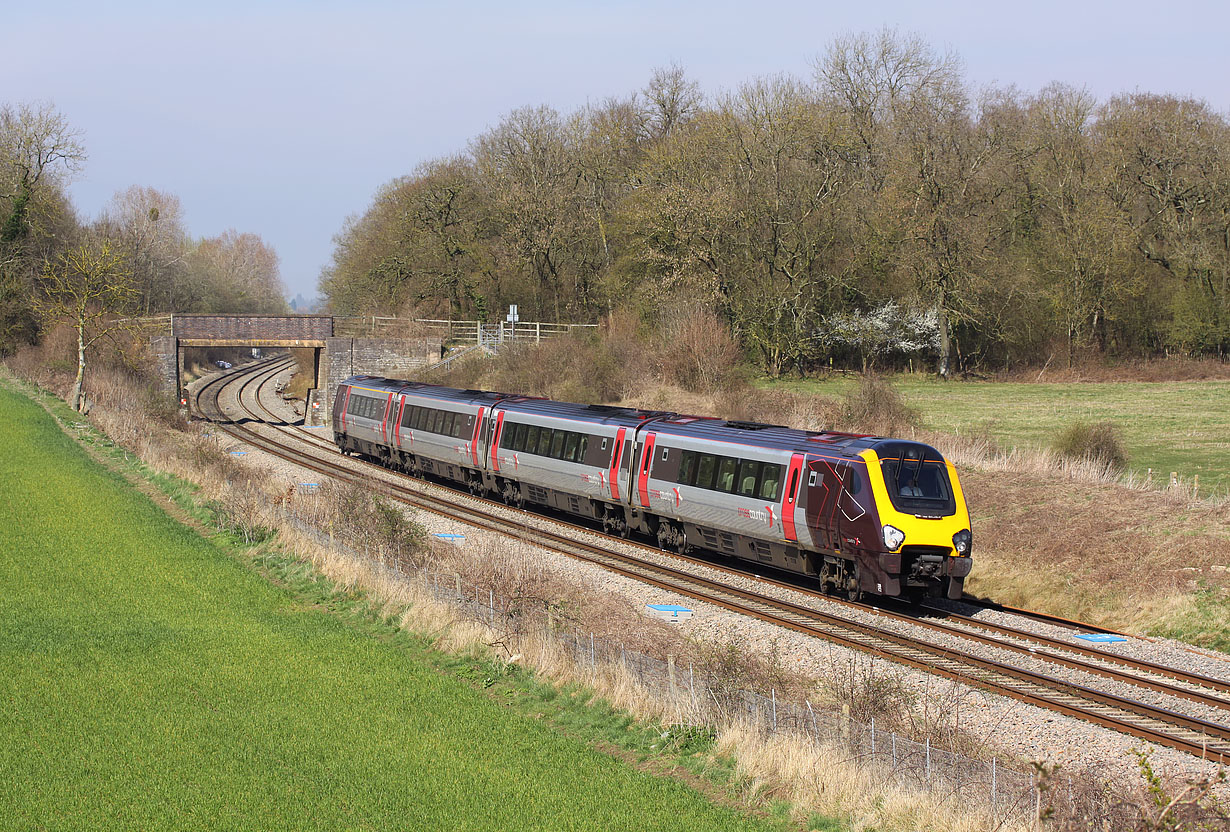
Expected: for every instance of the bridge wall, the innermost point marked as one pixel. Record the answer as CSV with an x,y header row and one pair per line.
x,y
345,357
338,358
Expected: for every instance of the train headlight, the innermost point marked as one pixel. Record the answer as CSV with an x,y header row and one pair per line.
x,y
961,541
893,538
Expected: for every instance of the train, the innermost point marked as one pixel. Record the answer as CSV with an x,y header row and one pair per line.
x,y
858,514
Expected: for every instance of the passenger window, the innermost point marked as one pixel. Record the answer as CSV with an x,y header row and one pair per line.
x,y
544,441
749,471
770,477
705,469
422,419
557,444
726,474
531,439
687,468
582,447
570,447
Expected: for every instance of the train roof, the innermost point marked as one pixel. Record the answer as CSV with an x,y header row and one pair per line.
x,y
760,435
418,388
755,434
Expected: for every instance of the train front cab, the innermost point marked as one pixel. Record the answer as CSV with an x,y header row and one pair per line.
x,y
924,529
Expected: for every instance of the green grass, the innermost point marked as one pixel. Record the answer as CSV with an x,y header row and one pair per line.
x,y
1177,426
150,678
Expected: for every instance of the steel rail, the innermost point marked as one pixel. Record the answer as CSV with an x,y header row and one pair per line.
x,y
1161,678
1159,725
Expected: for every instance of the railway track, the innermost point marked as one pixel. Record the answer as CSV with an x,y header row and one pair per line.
x,y
1200,737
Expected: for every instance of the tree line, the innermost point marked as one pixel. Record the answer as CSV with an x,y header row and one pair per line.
x,y
135,258
878,211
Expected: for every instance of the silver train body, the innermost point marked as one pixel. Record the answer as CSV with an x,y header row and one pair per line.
x,y
812,503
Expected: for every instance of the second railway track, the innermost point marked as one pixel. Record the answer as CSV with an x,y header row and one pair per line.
x,y
1167,727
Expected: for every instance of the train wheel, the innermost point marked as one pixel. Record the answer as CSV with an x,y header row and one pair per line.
x,y
671,537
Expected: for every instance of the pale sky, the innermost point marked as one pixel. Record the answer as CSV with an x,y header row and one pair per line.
x,y
283,118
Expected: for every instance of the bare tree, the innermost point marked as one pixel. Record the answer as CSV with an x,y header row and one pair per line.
x,y
88,286
148,224
35,141
671,99
239,273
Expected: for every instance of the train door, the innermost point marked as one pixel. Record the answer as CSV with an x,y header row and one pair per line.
x,y
476,439
643,468
385,432
615,469
341,397
497,426
790,497
399,408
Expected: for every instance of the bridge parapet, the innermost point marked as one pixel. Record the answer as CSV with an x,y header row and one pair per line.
x,y
252,328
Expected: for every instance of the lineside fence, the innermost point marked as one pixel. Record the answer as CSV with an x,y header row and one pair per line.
x,y
702,703
475,332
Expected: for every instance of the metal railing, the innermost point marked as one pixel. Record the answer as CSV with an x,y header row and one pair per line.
x,y
381,326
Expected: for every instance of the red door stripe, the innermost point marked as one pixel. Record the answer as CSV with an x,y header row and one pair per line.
x,y
401,407
478,426
613,471
790,496
646,462
495,441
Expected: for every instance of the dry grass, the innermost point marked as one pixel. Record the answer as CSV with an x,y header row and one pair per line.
x,y
824,780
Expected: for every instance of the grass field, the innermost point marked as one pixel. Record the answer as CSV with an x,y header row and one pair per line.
x,y
149,678
1177,426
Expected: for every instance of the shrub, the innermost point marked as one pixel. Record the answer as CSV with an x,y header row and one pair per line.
x,y
1099,442
698,351
876,407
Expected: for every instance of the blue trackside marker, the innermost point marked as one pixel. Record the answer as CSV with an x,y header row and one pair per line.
x,y
309,485
451,537
238,453
1100,638
670,613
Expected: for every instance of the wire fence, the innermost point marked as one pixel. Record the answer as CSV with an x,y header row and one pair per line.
x,y
705,702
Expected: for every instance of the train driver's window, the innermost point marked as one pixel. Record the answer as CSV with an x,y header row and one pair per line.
x,y
726,474
706,465
687,468
770,477
749,470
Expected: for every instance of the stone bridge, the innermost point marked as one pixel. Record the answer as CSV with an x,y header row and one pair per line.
x,y
334,358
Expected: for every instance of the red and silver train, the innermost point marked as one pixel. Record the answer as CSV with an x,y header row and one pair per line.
x,y
859,514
